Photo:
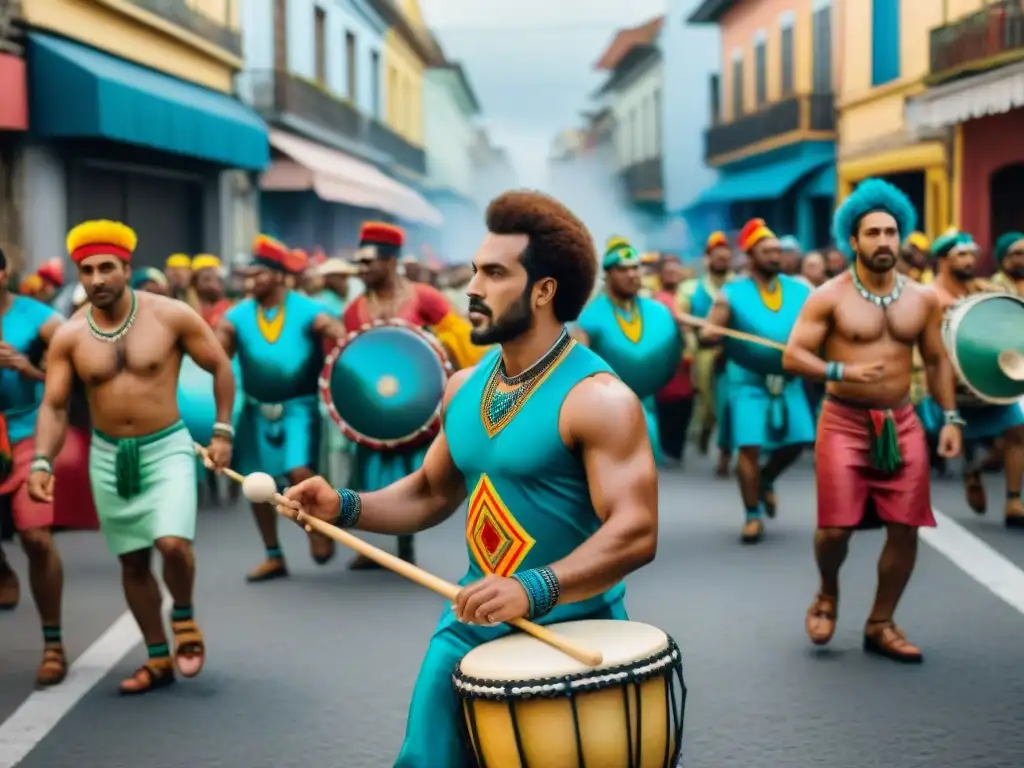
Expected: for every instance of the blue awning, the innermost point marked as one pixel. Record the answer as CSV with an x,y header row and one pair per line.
x,y
80,92
764,182
824,184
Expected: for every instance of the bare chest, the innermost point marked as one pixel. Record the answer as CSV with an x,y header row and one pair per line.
x,y
862,322
146,351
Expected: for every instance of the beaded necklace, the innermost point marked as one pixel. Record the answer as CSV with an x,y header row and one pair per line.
x,y
109,337
884,302
497,407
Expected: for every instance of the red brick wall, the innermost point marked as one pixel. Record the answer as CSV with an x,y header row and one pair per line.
x,y
989,144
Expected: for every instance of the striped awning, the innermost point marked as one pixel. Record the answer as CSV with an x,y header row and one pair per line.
x,y
991,93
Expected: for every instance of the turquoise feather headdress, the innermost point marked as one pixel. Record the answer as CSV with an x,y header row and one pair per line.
x,y
871,195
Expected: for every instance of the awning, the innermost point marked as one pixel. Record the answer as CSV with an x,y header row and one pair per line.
x,y
340,178
991,93
824,184
763,182
80,92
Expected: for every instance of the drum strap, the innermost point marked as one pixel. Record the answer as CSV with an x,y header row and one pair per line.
x,y
885,442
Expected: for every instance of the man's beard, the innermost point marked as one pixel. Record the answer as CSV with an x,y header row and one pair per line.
x,y
767,271
1015,274
107,299
963,275
879,262
511,325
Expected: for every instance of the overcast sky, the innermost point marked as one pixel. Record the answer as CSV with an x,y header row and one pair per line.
x,y
531,62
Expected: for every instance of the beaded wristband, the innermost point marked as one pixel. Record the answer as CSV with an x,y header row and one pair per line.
x,y
834,371
221,429
350,507
41,464
542,590
953,417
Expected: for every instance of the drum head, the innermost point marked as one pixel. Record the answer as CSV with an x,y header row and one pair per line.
x,y
975,331
522,657
383,385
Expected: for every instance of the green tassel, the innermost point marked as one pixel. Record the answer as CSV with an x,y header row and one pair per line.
x,y
127,468
885,445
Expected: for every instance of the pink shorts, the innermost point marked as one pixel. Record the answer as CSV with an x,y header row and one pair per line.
x,y
27,513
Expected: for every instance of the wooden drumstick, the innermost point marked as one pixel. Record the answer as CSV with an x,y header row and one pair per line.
x,y
722,331
414,573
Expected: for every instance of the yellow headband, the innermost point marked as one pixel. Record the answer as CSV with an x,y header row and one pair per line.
x,y
205,261
178,261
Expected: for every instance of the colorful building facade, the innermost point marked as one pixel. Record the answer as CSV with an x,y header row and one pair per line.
x,y
772,120
974,99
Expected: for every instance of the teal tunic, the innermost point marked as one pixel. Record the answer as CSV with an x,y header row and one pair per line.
x,y
20,397
529,505
645,364
700,306
768,410
984,422
279,425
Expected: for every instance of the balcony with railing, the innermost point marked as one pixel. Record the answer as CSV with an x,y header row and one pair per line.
x,y
277,94
189,15
986,39
809,112
643,180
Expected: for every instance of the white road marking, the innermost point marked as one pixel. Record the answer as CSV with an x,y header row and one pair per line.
x,y
40,713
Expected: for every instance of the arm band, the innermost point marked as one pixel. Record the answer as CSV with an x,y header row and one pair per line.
x,y
953,417
834,372
542,590
350,507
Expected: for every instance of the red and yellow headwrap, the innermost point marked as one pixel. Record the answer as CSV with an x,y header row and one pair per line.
x,y
753,232
381,233
52,272
101,236
297,262
716,240
270,253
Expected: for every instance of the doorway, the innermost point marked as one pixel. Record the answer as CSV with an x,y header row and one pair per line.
x,y
1007,209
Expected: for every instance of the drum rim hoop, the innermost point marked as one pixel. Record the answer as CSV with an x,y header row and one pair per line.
x,y
324,386
951,323
659,664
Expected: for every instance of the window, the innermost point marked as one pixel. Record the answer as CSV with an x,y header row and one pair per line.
x,y
786,58
351,71
715,88
737,87
657,123
761,72
375,83
821,25
885,41
320,51
392,95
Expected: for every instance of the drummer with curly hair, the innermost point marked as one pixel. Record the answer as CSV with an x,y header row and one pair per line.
x,y
871,455
278,337
551,450
956,255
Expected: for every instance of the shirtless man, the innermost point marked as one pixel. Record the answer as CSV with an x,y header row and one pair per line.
x,y
126,347
956,254
871,456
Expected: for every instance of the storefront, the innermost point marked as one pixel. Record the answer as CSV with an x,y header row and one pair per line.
x,y
112,139
986,115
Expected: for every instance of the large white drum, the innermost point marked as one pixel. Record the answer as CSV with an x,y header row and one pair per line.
x,y
527,704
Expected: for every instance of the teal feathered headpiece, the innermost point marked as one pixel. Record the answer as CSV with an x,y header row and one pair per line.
x,y
619,253
871,195
1005,243
951,240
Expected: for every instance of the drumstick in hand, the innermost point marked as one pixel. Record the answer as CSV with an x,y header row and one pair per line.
x,y
261,488
722,331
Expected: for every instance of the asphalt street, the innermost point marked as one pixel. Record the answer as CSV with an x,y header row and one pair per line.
x,y
316,671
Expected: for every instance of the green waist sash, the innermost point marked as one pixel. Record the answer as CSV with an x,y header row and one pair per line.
x,y
128,457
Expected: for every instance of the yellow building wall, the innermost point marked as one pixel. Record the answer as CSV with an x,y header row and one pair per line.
x,y
125,30
403,86
873,136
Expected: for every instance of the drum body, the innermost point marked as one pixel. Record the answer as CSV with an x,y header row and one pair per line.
x,y
196,403
528,705
974,331
383,385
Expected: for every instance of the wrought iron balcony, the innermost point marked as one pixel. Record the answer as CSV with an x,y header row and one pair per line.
x,y
405,154
989,38
275,94
810,112
203,25
644,181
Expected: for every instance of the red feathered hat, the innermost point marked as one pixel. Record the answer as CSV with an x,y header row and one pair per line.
x,y
381,233
268,252
52,272
297,261
716,240
753,232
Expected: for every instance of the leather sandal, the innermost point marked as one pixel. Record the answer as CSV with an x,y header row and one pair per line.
x,y
974,491
321,549
753,531
189,648
1014,514
268,570
151,676
883,638
53,668
820,622
769,500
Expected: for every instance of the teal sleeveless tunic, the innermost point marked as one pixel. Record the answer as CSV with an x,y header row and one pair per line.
x,y
279,426
767,408
529,506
